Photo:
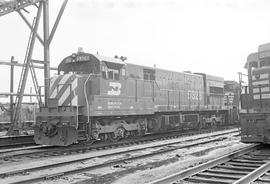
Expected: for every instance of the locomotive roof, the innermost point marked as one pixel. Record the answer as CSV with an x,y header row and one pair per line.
x,y
109,59
252,60
200,75
82,56
121,62
263,53
264,47
86,60
161,69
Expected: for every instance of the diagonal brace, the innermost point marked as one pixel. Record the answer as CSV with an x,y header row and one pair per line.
x,y
25,70
57,21
29,25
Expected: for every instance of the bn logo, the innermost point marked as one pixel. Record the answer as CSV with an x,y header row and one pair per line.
x,y
115,88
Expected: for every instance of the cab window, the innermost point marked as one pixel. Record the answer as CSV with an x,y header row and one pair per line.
x,y
149,74
109,73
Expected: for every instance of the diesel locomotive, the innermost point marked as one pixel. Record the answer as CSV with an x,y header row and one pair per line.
x,y
102,98
255,98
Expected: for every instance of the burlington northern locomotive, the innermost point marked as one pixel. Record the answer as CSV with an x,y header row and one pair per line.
x,y
101,98
255,116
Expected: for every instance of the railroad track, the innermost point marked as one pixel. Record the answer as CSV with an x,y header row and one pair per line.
x,y
39,151
66,166
250,164
16,141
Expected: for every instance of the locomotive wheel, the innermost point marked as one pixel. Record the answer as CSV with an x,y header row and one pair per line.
x,y
117,134
103,137
214,123
134,134
141,132
113,138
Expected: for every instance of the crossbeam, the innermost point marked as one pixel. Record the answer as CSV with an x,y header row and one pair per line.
x,y
15,5
16,63
6,94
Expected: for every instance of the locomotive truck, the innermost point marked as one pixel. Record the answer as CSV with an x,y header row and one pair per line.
x,y
255,99
102,98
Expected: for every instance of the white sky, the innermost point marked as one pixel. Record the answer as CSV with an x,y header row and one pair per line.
x,y
208,36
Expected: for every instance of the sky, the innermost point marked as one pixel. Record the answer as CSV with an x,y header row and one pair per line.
x,y
207,36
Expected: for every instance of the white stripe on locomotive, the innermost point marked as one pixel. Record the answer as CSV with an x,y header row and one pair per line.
x,y
264,96
262,76
264,89
60,85
68,93
260,82
53,85
75,100
53,79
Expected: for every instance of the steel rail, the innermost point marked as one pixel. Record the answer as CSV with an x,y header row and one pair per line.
x,y
16,140
254,174
87,148
88,168
26,147
192,171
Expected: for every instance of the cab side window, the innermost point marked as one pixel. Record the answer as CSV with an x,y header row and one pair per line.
x,y
123,72
116,75
104,72
112,71
149,74
109,73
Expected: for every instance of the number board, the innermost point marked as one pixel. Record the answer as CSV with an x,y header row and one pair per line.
x,y
77,58
82,58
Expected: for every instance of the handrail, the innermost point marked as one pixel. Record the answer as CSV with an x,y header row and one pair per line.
x,y
87,102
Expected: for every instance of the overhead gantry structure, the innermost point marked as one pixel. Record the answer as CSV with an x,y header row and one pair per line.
x,y
9,6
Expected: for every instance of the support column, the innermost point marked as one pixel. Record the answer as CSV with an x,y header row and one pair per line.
x,y
13,129
11,102
46,50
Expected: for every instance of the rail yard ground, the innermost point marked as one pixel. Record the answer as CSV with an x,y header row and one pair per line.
x,y
133,164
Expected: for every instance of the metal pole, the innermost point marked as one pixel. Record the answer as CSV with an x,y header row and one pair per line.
x,y
46,50
179,102
11,87
239,93
260,90
199,99
31,94
227,101
15,118
247,102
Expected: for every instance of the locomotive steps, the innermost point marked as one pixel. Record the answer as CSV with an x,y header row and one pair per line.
x,y
100,159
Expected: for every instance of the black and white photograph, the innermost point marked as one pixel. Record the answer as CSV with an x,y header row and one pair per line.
x,y
134,91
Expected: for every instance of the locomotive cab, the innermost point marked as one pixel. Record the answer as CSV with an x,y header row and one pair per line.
x,y
255,120
64,120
